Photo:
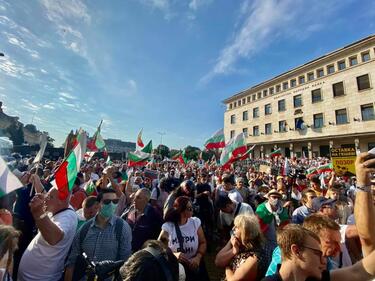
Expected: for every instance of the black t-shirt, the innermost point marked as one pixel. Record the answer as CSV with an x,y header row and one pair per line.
x,y
276,277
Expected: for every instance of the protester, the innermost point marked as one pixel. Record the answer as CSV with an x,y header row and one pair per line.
x,y
55,235
8,245
306,209
90,207
184,236
246,255
104,237
187,188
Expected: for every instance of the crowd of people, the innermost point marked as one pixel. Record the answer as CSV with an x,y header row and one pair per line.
x,y
158,222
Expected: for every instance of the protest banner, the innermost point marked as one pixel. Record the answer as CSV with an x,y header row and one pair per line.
x,y
343,160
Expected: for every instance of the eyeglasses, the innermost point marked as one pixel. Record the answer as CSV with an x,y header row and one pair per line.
x,y
317,252
108,201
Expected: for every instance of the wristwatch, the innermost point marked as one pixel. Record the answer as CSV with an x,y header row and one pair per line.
x,y
364,188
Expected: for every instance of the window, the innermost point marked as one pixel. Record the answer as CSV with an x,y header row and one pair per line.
x,y
363,82
271,90
320,73
233,119
330,69
255,112
301,79
243,101
256,131
316,95
338,89
281,105
297,101
318,120
310,76
268,129
278,88
244,130
245,116
232,134
265,93
267,109
259,95
282,126
353,61
248,99
367,112
230,106
285,85
239,103
341,65
365,56
293,83
253,97
341,116
235,104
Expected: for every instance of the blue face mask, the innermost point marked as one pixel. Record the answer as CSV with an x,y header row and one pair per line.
x,y
108,210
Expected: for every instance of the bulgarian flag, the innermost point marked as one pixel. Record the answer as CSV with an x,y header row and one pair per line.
x,y
216,141
138,158
311,171
181,157
66,174
286,168
275,153
148,147
8,181
236,147
139,139
97,142
241,157
325,168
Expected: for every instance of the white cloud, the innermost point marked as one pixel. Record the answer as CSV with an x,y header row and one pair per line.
x,y
31,106
196,4
43,71
63,99
49,106
14,69
14,40
262,22
65,96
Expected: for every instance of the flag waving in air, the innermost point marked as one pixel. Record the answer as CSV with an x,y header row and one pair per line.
x,y
97,142
8,181
216,141
139,139
234,149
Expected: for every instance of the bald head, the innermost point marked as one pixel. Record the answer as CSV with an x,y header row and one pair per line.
x,y
141,198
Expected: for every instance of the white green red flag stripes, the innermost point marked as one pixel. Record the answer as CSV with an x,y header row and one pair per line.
x,y
138,158
181,157
286,168
139,139
275,153
97,142
66,174
216,141
43,144
325,168
311,171
8,181
234,148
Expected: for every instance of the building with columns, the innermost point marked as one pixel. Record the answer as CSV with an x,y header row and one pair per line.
x,y
326,102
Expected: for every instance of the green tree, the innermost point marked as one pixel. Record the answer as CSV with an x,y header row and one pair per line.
x,y
15,132
163,150
192,153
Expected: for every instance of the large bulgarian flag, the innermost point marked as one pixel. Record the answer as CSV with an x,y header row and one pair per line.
x,y
97,142
181,157
8,181
311,171
148,147
216,141
235,148
275,153
66,174
325,168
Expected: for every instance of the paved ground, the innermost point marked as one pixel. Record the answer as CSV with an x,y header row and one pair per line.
x,y
215,273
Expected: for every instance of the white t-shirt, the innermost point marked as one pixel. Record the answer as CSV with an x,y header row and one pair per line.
x,y
227,219
189,232
42,261
233,194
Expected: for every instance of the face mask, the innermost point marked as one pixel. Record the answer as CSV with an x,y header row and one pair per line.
x,y
274,202
108,210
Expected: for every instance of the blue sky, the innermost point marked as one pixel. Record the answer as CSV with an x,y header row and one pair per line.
x,y
161,65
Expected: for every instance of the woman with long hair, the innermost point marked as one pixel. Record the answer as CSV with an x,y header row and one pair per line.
x,y
8,245
246,256
184,236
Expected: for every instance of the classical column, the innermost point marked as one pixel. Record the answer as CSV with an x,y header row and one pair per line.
x,y
261,151
309,149
356,143
291,150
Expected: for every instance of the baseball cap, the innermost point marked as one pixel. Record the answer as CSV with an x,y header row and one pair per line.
x,y
319,202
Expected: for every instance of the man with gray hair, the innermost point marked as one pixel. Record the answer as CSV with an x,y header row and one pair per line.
x,y
143,219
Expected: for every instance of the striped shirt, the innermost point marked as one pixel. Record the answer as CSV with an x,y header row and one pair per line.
x,y
101,244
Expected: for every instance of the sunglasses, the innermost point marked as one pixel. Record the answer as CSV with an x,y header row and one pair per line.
x,y
108,201
190,209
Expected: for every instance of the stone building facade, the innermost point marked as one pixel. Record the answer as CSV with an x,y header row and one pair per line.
x,y
326,102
